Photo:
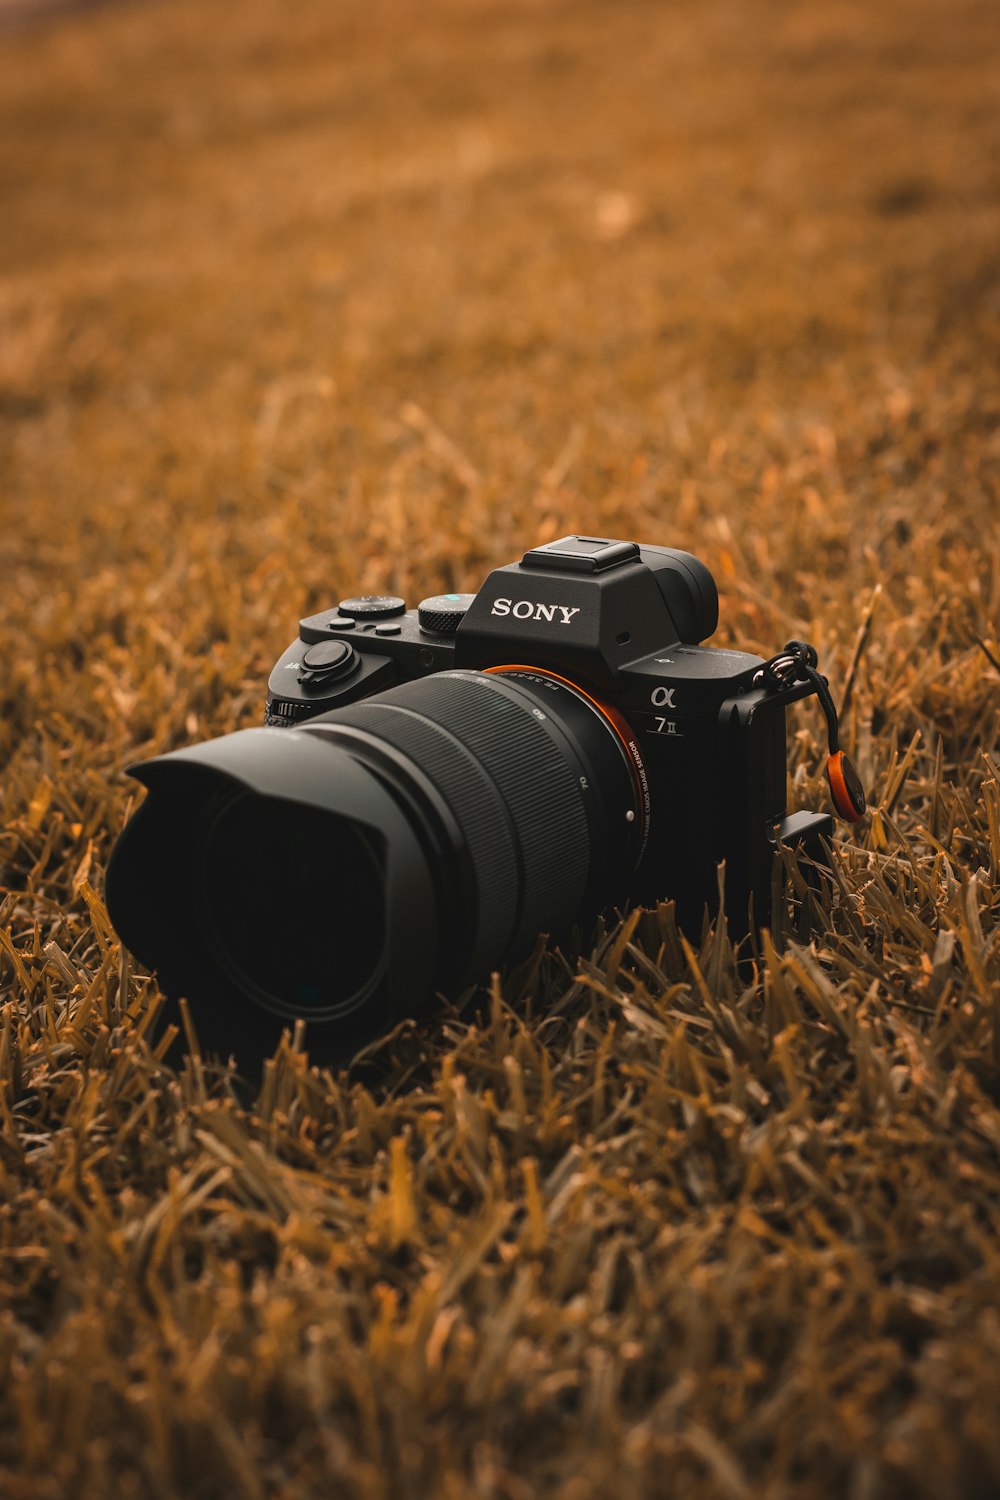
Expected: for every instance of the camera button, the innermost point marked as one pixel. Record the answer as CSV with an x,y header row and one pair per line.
x,y
341,624
388,629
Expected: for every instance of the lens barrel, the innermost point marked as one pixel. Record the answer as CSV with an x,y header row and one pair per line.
x,y
346,869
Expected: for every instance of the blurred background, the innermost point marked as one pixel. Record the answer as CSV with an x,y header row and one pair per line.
x,y
301,301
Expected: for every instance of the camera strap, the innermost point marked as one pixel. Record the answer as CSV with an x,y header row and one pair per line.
x,y
798,662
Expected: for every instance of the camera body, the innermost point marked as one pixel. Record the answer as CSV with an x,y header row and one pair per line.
x,y
623,624
434,788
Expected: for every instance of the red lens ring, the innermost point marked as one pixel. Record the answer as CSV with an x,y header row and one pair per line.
x,y
616,722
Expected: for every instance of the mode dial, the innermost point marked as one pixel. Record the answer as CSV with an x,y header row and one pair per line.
x,y
372,606
443,612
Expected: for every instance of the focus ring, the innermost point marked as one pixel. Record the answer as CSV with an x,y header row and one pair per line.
x,y
538,789
473,801
538,786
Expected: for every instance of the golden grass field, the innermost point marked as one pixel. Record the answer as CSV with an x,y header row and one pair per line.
x,y
302,301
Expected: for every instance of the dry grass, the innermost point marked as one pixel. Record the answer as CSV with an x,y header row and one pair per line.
x,y
305,299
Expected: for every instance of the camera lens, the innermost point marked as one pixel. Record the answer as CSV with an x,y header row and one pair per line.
x,y
526,795
348,868
303,879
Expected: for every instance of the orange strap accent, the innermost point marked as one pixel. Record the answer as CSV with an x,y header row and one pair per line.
x,y
843,799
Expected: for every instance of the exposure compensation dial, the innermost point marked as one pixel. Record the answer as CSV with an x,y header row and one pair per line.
x,y
443,613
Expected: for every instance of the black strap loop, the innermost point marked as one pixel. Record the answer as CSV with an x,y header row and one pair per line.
x,y
798,662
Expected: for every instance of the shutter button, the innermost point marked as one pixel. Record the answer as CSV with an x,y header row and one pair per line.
x,y
328,659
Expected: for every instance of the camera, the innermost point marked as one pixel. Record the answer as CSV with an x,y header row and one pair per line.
x,y
435,787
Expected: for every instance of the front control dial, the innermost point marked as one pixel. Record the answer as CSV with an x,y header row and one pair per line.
x,y
443,613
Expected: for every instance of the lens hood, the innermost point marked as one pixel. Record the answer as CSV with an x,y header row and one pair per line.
x,y
321,900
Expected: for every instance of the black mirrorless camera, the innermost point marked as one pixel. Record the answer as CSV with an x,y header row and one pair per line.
x,y
436,787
